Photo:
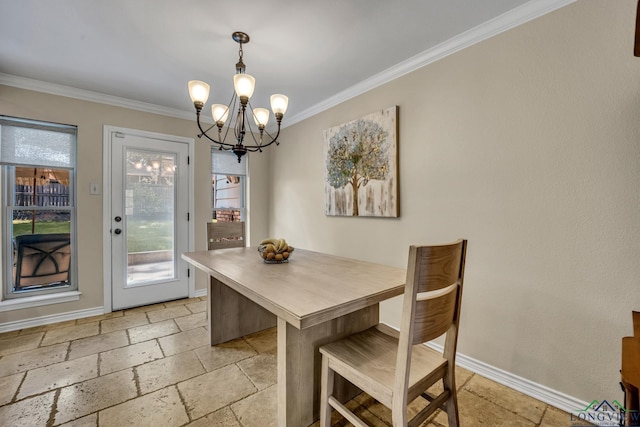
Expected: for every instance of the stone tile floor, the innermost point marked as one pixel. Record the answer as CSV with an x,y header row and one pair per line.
x,y
151,366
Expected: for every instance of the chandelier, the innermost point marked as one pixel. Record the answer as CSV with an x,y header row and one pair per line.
x,y
244,84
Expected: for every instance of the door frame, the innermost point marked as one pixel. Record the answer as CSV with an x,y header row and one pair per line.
x,y
106,203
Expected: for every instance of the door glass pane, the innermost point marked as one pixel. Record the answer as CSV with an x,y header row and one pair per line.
x,y
149,216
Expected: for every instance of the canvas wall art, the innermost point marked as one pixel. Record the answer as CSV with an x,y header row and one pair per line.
x,y
361,166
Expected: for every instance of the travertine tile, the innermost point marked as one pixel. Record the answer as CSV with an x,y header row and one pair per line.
x,y
264,341
221,418
132,355
370,418
143,309
197,307
192,321
125,322
59,375
70,333
50,326
93,395
105,316
223,354
509,399
28,412
170,370
161,408
183,341
9,386
97,344
259,409
168,313
10,334
181,302
555,417
88,421
20,343
214,390
475,410
152,331
262,370
31,359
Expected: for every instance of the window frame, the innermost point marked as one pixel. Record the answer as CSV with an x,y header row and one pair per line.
x,y
17,299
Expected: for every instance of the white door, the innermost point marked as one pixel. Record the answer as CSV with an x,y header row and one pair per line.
x,y
149,220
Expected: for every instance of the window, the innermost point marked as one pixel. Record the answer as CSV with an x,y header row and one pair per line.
x,y
228,180
38,219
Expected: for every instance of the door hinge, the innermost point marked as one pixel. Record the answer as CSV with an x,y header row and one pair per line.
x,y
188,216
118,134
188,272
188,160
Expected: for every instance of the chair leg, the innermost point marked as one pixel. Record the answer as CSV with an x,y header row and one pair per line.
x,y
451,405
327,376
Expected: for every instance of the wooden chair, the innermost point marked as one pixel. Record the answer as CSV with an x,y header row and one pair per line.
x,y
222,235
391,367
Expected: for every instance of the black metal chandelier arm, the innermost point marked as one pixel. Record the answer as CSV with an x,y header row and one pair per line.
x,y
204,133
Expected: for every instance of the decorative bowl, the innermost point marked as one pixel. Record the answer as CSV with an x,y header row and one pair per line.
x,y
272,257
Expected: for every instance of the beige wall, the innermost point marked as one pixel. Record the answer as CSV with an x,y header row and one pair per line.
x,y
528,145
90,118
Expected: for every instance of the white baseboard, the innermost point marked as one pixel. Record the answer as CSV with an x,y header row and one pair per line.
x,y
200,293
52,318
537,391
543,393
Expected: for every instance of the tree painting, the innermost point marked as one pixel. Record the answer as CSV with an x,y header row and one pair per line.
x,y
360,166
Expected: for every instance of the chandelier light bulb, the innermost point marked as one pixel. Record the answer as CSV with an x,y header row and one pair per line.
x,y
244,85
279,103
199,91
220,113
261,116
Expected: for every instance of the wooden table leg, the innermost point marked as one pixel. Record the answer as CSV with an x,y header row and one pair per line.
x,y
299,363
231,315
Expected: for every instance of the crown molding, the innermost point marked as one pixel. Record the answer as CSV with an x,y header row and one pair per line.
x,y
87,95
518,16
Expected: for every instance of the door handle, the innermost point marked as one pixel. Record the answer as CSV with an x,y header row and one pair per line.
x,y
117,219
117,231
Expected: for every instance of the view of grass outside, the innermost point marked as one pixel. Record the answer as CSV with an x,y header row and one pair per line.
x,y
143,234
21,227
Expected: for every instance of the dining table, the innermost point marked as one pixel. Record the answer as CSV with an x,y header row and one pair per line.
x,y
313,299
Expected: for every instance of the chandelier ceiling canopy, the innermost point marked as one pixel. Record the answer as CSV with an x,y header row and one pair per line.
x,y
244,85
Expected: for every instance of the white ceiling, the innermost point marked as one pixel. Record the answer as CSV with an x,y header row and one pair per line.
x,y
312,51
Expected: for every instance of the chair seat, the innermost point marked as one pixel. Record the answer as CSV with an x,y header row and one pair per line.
x,y
368,360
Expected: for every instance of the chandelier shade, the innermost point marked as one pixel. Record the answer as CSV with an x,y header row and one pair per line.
x,y
244,86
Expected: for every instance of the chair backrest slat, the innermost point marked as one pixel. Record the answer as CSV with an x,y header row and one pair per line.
x,y
433,317
222,235
438,266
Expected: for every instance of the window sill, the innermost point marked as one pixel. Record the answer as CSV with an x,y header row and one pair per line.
x,y
36,301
